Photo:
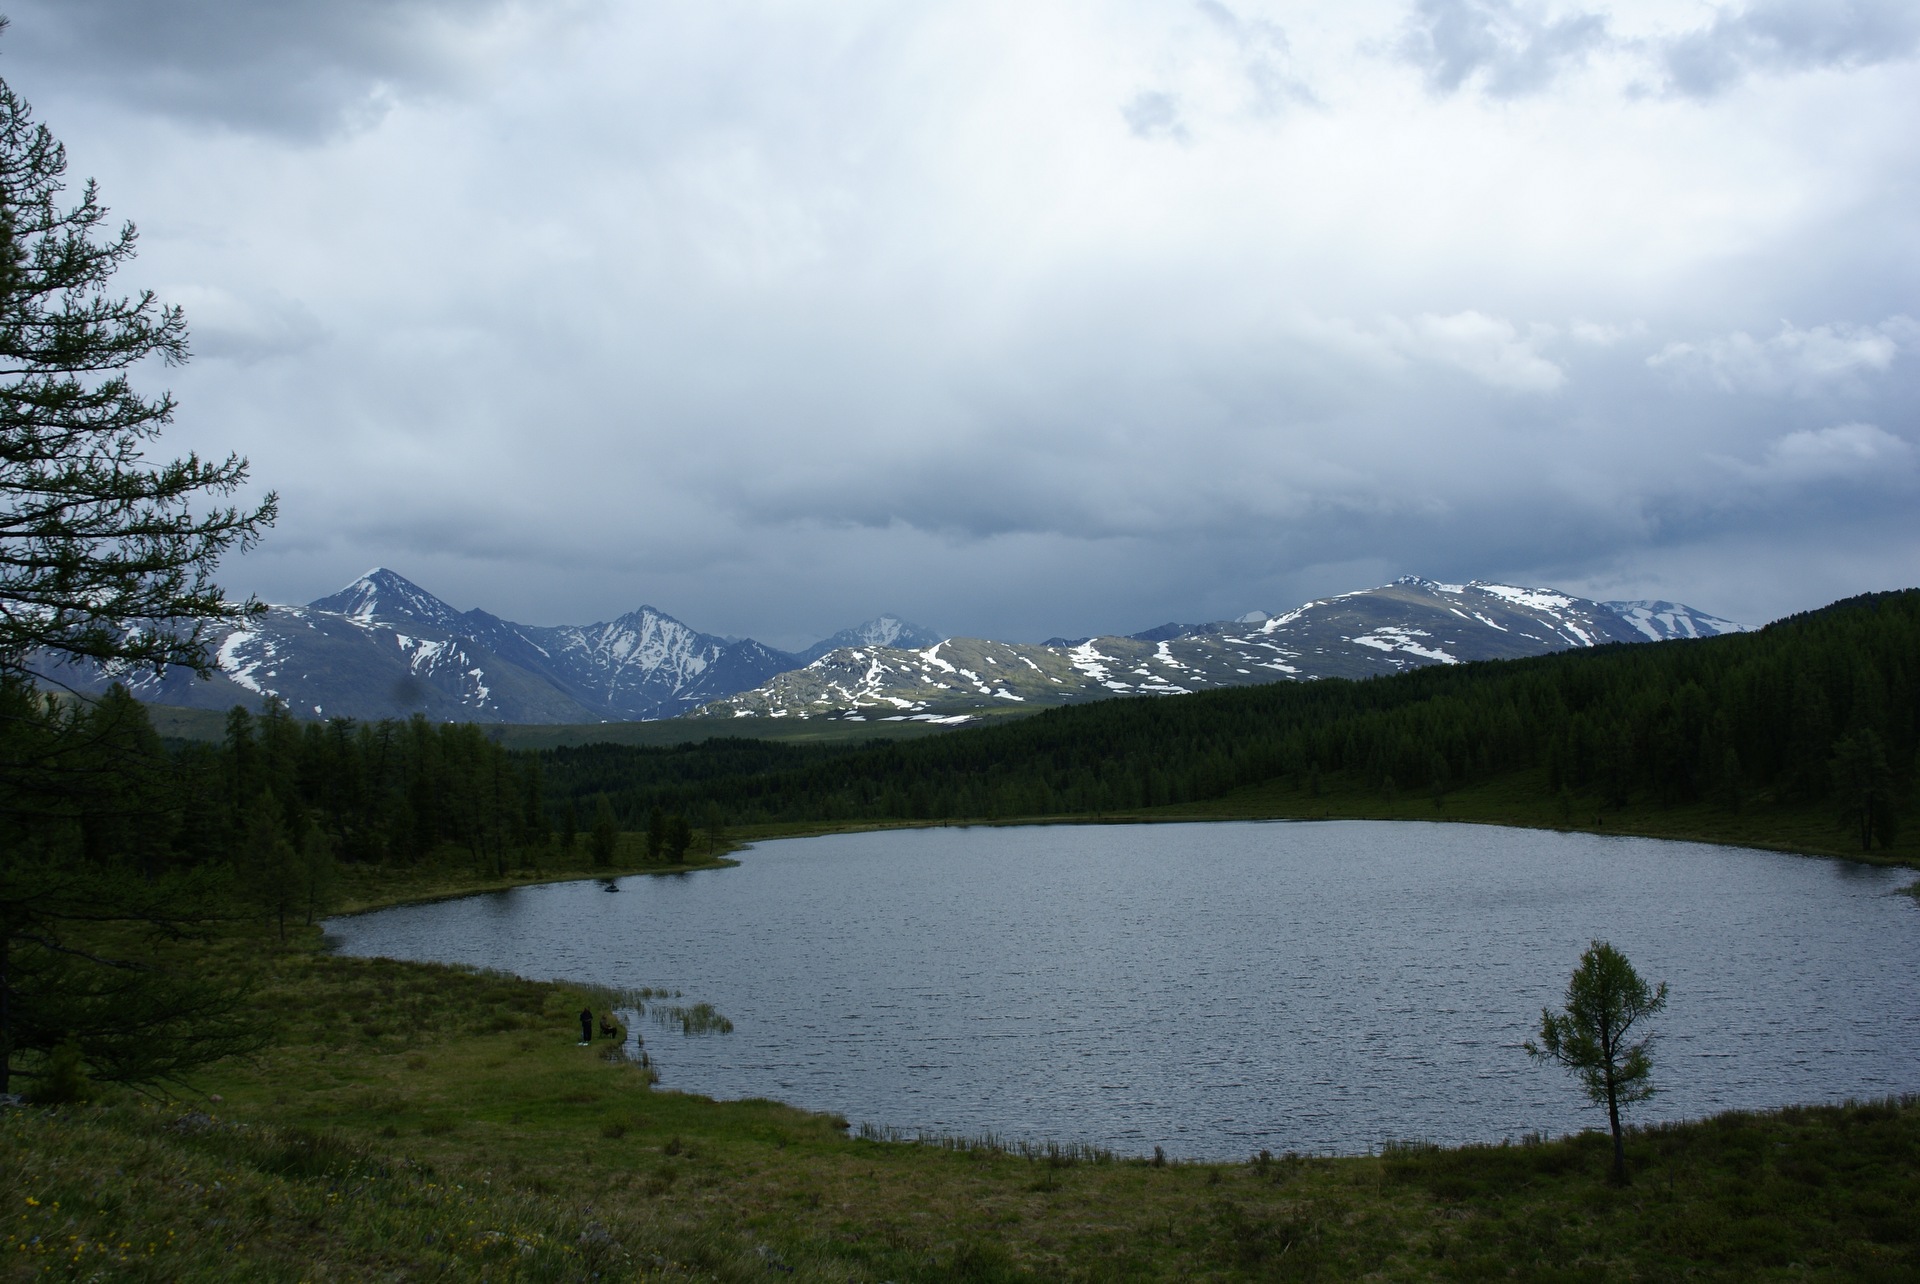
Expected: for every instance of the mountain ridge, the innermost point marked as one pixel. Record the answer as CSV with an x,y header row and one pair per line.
x,y
384,647
1364,633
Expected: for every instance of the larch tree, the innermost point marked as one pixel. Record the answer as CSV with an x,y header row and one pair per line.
x,y
107,558
1590,1036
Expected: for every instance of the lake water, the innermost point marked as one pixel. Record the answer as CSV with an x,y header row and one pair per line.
x,y
1219,989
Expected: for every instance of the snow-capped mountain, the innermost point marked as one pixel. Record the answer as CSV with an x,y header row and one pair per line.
x,y
388,597
1414,621
1407,624
385,647
883,631
646,664
1662,621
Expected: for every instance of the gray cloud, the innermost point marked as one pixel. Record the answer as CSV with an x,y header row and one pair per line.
x,y
1512,49
231,327
1250,54
1775,36
1793,360
1266,57
1854,455
780,316
1151,114
300,68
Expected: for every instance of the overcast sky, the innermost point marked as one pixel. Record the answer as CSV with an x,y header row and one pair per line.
x,y
1021,319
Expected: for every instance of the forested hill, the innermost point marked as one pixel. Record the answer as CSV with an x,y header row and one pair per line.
x,y
1819,706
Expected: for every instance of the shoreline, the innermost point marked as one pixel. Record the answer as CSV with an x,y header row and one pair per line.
x,y
530,879
747,837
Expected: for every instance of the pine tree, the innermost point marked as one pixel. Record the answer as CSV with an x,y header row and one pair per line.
x,y
606,834
679,837
319,875
1863,785
268,865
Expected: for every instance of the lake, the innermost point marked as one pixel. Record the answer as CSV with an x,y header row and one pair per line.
x,y
1219,989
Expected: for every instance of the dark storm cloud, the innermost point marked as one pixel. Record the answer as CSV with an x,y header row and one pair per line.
x,y
1774,36
1512,49
298,68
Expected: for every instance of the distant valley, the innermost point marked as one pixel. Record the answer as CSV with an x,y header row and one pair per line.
x,y
383,647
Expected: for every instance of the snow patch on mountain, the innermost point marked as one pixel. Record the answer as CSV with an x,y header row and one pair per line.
x,y
1663,621
241,668
1367,633
1537,599
1390,638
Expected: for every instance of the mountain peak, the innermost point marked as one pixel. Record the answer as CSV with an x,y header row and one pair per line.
x,y
1437,587
888,630
386,595
882,630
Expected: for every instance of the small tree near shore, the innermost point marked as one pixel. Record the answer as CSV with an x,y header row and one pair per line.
x,y
1605,999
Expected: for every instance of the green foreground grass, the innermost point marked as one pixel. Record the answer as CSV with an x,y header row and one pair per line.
x,y
412,1121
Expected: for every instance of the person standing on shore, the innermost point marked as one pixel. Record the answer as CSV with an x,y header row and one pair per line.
x,y
586,1026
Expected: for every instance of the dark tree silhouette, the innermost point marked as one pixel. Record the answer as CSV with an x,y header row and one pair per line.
x,y
105,557
1863,785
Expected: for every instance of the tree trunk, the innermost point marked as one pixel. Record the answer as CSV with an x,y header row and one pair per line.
x,y
6,1013
1619,1176
1609,1040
